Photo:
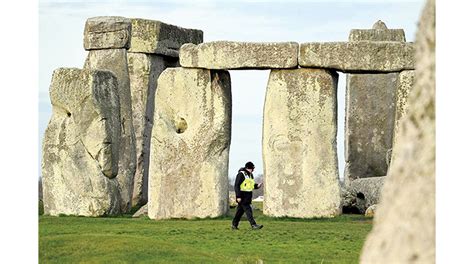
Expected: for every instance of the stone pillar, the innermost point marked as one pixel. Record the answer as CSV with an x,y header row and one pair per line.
x,y
299,144
107,39
404,228
405,83
370,112
153,48
80,147
190,144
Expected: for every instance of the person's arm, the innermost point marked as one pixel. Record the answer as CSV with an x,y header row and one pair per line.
x,y
238,181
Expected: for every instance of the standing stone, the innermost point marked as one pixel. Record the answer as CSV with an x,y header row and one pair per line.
x,y
144,70
405,83
299,144
154,47
115,60
404,225
370,117
80,147
370,112
190,144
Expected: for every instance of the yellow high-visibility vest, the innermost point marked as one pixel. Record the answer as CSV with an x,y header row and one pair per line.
x,y
248,184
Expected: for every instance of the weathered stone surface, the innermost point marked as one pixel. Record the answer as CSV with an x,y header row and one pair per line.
x,y
370,117
404,226
239,55
405,83
364,192
144,70
107,32
370,212
143,211
115,60
379,32
299,144
152,36
80,146
358,56
190,144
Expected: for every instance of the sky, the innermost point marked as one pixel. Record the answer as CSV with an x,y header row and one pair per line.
x,y
61,27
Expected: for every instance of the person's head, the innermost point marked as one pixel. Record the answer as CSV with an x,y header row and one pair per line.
x,y
249,166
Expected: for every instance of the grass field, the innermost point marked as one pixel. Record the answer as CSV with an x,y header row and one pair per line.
x,y
129,240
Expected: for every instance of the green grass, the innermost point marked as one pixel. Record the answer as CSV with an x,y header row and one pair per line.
x,y
128,240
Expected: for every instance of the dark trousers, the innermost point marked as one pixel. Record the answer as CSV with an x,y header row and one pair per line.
x,y
241,208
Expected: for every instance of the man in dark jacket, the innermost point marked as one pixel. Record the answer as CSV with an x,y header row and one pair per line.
x,y
243,186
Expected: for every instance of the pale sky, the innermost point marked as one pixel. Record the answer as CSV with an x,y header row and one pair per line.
x,y
60,45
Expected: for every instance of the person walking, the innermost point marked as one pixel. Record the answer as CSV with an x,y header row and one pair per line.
x,y
243,186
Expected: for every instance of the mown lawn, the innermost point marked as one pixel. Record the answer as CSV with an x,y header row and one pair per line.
x,y
130,240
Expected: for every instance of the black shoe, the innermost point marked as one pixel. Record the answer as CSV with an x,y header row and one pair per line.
x,y
234,227
255,227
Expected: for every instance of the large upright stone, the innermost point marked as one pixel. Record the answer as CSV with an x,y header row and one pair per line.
x,y
156,37
190,144
404,225
115,60
358,56
370,112
144,70
80,147
370,117
239,55
299,144
107,32
405,84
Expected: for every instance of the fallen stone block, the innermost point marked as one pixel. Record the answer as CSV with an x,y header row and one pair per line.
x,y
370,212
143,211
239,55
362,193
190,145
107,32
156,37
81,144
299,144
358,56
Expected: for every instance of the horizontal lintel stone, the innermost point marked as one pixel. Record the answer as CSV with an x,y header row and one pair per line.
x,y
240,55
156,37
359,56
107,32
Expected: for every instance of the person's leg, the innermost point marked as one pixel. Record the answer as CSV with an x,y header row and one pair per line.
x,y
238,215
249,213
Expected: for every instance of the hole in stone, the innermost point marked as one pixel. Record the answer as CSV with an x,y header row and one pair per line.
x,y
360,196
68,114
181,125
